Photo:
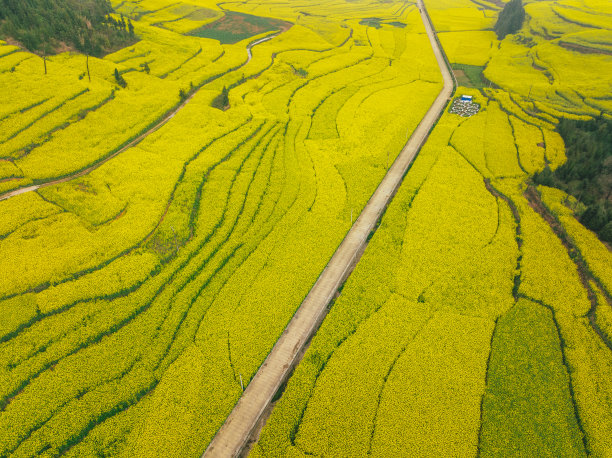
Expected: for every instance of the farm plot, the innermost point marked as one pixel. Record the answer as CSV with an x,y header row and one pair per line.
x,y
177,17
234,27
565,81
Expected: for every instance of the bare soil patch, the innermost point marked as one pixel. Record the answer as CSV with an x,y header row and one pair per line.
x,y
462,78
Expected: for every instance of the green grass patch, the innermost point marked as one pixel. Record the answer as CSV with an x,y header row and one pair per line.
x,y
234,27
527,407
469,75
377,23
372,22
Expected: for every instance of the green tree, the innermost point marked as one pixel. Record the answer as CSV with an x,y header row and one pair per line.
x,y
587,173
85,25
120,79
225,97
606,233
510,19
222,100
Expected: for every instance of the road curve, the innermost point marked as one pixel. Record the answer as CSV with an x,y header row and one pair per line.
x,y
233,435
137,140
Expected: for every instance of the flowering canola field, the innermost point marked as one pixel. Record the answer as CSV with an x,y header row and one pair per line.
x,y
479,320
138,297
465,328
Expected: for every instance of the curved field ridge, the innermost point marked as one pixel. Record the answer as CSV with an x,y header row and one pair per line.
x,y
234,433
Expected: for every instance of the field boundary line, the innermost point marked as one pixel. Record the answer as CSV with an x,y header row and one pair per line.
x,y
233,435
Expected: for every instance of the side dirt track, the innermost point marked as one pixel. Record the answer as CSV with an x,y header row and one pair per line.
x,y
233,435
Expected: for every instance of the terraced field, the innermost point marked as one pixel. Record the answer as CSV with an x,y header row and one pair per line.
x,y
139,295
146,289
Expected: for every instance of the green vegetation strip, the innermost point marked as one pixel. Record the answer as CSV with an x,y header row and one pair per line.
x,y
527,407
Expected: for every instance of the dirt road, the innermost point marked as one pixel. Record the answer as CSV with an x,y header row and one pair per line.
x,y
135,141
234,433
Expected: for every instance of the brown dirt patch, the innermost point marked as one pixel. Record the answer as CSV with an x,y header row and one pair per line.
x,y
12,42
64,47
462,78
120,214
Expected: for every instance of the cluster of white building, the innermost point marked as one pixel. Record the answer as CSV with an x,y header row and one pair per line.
x,y
464,106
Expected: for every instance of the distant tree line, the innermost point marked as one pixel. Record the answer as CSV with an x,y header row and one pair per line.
x,y
44,25
510,19
587,174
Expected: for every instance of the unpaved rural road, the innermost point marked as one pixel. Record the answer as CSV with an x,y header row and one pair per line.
x,y
234,433
135,141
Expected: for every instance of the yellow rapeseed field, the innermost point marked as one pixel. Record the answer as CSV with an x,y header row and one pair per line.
x,y
139,293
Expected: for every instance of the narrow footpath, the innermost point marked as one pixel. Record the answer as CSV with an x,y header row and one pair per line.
x,y
233,435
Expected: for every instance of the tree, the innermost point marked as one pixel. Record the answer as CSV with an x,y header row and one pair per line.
x,y
120,80
46,50
595,217
606,233
545,177
85,25
224,97
510,19
222,100
587,173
